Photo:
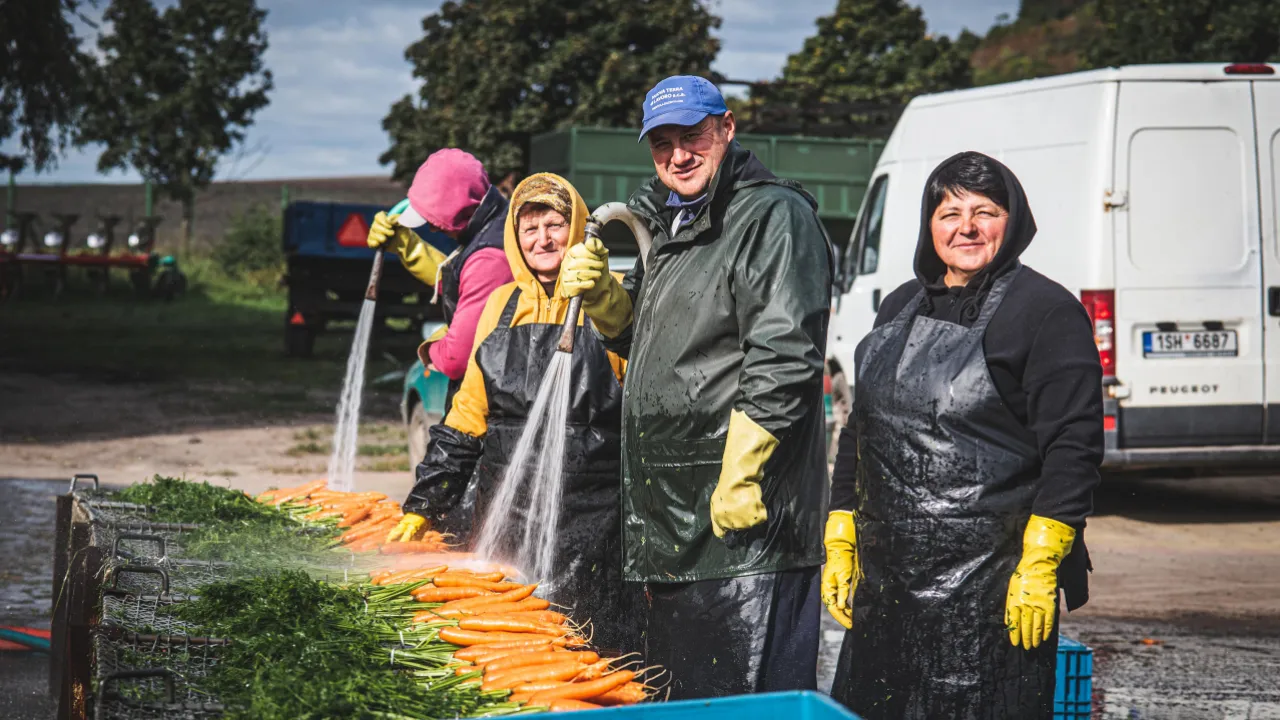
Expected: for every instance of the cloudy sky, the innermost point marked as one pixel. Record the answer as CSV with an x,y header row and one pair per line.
x,y
339,66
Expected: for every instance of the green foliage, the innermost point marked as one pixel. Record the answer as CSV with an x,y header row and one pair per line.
x,y
250,251
298,649
41,79
867,51
495,72
305,649
1169,31
176,90
180,501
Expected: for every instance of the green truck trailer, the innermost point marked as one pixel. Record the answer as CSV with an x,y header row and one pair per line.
x,y
607,164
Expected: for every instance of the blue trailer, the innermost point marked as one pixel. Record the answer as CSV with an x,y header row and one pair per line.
x,y
328,267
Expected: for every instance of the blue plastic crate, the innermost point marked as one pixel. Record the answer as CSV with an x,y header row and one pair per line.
x,y
1073,692
766,706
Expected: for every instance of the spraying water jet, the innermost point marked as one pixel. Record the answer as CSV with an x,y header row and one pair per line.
x,y
536,466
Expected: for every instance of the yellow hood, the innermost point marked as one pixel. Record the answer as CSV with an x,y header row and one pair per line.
x,y
535,188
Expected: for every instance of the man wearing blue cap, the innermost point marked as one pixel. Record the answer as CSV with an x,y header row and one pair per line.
x,y
724,324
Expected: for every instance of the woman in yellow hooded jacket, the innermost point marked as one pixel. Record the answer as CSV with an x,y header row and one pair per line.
x,y
515,340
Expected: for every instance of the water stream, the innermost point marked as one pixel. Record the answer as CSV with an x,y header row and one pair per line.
x,y
342,463
533,477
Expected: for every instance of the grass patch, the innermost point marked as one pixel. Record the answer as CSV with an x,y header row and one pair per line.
x,y
381,450
224,339
311,434
310,447
400,464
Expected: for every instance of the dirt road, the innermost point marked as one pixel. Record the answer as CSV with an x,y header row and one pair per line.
x,y
1185,609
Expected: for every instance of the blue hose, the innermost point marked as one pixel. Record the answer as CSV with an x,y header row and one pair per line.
x,y
34,642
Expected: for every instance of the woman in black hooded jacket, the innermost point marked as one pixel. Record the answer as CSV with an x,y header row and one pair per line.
x,y
967,469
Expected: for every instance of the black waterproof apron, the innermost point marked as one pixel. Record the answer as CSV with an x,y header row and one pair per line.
x,y
946,479
736,636
588,564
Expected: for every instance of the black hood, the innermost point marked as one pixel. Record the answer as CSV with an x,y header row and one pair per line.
x,y
1017,234
493,206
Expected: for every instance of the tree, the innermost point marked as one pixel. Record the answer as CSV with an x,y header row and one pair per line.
x,y
1163,31
176,91
868,52
495,73
41,70
1049,37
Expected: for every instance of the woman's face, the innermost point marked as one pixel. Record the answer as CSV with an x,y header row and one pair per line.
x,y
543,235
968,230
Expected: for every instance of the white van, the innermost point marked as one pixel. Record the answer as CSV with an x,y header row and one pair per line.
x,y
1156,190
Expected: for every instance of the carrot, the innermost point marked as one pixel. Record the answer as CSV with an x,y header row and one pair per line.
x,y
546,672
629,694
378,513
487,623
531,688
462,581
571,705
594,671
423,616
509,596
405,576
584,690
441,595
484,658
464,576
283,497
465,638
551,617
537,658
470,654
365,544
384,526
413,546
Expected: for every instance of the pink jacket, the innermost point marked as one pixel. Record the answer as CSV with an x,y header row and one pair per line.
x,y
484,272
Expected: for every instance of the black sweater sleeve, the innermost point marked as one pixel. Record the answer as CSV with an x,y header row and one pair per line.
x,y
1063,385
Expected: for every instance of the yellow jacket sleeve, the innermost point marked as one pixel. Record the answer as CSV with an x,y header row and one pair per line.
x,y
470,410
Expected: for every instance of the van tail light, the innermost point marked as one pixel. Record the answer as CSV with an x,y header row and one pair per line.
x,y
1101,306
1249,69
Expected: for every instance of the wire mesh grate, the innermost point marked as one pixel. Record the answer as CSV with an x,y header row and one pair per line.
x,y
143,613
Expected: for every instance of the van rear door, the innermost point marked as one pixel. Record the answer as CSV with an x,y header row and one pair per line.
x,y
1266,97
1189,335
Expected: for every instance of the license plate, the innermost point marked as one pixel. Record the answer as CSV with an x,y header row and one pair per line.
x,y
1206,343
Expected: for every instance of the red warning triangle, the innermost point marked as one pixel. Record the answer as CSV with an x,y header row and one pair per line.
x,y
297,319
354,232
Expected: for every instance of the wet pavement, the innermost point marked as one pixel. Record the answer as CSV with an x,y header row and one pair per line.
x,y
26,591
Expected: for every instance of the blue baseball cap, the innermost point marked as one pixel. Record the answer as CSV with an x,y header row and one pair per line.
x,y
681,100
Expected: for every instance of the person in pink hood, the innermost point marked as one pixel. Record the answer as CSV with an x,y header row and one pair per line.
x,y
451,194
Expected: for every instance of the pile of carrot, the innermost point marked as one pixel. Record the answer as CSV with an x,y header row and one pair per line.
x,y
516,641
365,518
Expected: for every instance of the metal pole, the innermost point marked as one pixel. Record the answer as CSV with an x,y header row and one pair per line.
x,y
284,197
371,292
147,190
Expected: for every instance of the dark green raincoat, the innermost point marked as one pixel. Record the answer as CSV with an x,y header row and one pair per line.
x,y
731,313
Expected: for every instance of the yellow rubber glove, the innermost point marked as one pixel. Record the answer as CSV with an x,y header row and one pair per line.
x,y
1033,589
418,257
738,503
839,575
585,272
407,528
